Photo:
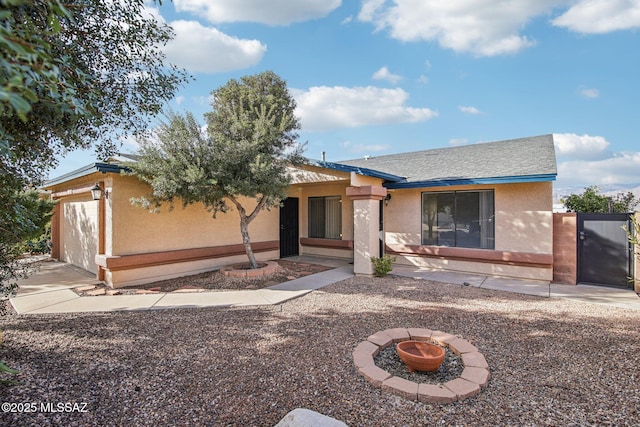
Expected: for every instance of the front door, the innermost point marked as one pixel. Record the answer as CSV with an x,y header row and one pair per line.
x,y
289,227
604,252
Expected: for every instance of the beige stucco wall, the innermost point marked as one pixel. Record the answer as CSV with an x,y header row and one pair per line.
x,y
524,223
137,230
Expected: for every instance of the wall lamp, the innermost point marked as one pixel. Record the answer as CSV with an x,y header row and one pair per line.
x,y
387,199
96,192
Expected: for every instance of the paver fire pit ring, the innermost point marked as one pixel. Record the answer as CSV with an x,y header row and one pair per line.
x,y
474,377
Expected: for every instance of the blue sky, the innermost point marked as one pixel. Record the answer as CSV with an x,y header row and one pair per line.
x,y
377,77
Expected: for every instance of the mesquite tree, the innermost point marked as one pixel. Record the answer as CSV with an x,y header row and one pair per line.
x,y
250,140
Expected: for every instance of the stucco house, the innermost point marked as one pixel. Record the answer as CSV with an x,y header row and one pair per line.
x,y
483,208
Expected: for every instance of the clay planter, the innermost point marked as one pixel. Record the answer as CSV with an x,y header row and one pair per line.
x,y
242,270
420,356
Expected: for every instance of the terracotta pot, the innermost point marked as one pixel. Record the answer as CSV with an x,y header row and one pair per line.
x,y
420,355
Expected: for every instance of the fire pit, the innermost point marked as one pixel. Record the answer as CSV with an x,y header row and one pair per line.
x,y
420,355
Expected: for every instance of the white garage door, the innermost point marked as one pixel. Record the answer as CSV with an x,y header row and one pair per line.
x,y
80,234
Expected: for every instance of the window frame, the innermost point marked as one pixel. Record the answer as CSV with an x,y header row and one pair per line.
x,y
311,229
454,193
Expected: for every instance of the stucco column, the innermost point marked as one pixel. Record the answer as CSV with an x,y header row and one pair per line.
x,y
366,220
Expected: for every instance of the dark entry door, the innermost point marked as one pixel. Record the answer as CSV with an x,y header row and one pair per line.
x,y
289,227
604,250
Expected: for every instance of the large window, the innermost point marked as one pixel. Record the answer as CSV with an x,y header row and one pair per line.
x,y
462,219
325,217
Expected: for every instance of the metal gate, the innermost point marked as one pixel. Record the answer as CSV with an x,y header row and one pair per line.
x,y
289,227
604,253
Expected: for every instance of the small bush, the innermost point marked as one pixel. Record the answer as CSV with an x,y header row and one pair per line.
x,y
382,265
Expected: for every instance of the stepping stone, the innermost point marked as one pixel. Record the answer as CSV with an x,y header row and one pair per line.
x,y
97,292
145,292
155,289
85,288
113,292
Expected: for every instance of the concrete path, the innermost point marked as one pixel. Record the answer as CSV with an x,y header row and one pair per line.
x,y
624,298
50,290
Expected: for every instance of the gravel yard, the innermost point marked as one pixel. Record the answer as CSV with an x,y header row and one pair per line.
x,y
553,362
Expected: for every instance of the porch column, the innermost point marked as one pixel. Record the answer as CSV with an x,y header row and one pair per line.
x,y
366,220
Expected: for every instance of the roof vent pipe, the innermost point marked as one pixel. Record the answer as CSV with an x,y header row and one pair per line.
x,y
323,156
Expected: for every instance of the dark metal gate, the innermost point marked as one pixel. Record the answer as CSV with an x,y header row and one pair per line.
x,y
604,252
289,227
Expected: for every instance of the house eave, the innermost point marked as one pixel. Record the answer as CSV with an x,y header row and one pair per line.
x,y
359,170
470,181
84,171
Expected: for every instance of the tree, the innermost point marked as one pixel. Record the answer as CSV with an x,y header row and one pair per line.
x,y
73,74
593,202
251,139
23,216
78,73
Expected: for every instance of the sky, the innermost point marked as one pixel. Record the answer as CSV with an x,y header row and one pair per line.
x,y
375,77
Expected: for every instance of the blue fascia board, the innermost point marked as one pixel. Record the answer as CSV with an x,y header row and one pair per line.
x,y
84,171
471,181
360,171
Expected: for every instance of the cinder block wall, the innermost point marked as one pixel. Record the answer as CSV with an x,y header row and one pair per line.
x,y
565,251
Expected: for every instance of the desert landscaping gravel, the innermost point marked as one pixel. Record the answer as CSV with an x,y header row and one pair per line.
x,y
553,362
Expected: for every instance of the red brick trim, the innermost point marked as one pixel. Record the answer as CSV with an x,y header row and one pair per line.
x,y
523,259
367,192
327,243
127,262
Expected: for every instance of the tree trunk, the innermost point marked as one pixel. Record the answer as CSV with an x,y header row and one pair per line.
x,y
244,226
244,229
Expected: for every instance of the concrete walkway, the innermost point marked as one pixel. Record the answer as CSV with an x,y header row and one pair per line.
x,y
623,298
50,290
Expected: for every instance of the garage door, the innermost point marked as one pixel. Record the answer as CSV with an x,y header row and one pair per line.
x,y
79,234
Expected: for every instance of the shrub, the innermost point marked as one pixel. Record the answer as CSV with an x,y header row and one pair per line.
x,y
382,265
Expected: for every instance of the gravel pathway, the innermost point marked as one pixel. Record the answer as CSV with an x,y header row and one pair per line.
x,y
553,362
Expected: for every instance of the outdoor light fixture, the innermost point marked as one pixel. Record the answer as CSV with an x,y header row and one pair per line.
x,y
387,199
96,192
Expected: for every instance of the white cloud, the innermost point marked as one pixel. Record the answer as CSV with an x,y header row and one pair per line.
x,y
347,20
423,79
488,27
622,168
324,108
469,110
581,147
272,12
477,26
600,16
205,49
363,148
179,99
590,93
384,74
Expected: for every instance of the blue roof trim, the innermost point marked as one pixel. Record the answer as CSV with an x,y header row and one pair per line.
x,y
360,171
84,171
471,181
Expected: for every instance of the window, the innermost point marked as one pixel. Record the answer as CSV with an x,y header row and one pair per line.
x,y
325,217
463,219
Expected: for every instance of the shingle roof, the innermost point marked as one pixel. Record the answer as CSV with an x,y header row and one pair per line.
x,y
515,160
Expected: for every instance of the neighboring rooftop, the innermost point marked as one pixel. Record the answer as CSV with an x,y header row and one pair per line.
x,y
515,160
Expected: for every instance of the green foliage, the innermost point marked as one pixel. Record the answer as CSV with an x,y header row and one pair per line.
x,y
592,202
23,216
382,265
633,235
251,139
4,369
75,74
